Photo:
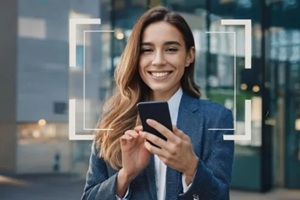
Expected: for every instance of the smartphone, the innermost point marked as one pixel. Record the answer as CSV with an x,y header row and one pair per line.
x,y
158,111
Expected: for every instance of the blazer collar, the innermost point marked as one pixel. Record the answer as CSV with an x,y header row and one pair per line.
x,y
150,173
188,103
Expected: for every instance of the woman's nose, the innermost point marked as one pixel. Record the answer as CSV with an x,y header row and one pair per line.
x,y
158,59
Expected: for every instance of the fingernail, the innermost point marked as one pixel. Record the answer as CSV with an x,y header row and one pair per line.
x,y
149,120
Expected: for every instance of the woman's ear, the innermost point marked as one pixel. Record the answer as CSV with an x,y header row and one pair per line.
x,y
190,57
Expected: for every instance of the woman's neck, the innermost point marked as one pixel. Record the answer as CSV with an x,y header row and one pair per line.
x,y
161,96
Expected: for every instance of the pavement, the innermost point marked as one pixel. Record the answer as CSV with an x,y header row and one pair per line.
x,y
275,194
69,187
41,187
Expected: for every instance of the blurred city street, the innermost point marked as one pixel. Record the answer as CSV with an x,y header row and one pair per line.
x,y
69,187
41,187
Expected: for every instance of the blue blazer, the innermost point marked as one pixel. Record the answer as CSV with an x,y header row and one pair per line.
x,y
213,174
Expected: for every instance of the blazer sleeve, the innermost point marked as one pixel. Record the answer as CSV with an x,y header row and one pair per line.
x,y
213,174
99,185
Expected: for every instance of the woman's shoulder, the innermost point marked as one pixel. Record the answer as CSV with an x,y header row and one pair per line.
x,y
213,114
203,105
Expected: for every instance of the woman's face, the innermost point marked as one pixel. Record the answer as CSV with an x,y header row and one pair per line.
x,y
163,59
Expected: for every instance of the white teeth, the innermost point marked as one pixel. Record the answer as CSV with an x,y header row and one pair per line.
x,y
159,74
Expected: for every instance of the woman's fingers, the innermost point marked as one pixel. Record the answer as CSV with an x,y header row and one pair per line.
x,y
162,147
131,133
130,139
126,137
138,128
153,149
175,152
180,133
152,138
162,129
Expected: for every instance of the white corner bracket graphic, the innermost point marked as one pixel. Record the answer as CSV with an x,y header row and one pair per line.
x,y
248,40
248,56
72,36
247,135
72,131
72,63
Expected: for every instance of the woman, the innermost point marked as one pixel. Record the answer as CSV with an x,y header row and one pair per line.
x,y
194,162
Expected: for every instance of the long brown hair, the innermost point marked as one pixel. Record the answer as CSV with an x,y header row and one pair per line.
x,y
120,111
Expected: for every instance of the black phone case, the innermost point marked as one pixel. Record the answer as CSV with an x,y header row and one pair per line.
x,y
158,111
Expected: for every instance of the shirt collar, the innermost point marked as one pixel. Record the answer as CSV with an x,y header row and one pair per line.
x,y
173,103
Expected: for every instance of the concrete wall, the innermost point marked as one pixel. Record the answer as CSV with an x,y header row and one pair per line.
x,y
8,53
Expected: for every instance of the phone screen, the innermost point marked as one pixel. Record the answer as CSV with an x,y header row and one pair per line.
x,y
158,111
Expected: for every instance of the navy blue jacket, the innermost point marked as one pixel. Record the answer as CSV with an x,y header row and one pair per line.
x,y
213,175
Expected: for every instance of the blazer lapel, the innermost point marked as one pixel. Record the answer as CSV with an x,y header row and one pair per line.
x,y
191,121
150,173
174,177
188,120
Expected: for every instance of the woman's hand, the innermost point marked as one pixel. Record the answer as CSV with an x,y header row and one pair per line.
x,y
135,157
177,152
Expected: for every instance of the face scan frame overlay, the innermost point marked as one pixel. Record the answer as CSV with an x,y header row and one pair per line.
x,y
72,63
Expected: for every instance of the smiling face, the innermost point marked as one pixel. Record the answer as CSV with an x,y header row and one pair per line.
x,y
163,59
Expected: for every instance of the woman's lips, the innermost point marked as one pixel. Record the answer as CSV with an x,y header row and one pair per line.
x,y
160,74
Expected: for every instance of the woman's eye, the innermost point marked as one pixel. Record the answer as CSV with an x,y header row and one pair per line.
x,y
146,50
172,49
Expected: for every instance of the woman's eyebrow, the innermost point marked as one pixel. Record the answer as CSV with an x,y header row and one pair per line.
x,y
165,43
146,44
172,42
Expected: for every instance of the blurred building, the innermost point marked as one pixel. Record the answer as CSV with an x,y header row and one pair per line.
x,y
36,80
36,83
